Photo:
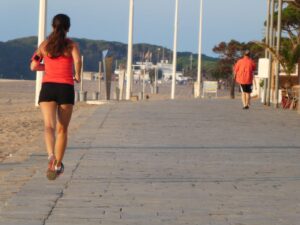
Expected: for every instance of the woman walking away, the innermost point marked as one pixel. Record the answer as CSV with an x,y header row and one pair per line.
x,y
59,55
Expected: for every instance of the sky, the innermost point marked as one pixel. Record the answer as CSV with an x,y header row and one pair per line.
x,y
223,20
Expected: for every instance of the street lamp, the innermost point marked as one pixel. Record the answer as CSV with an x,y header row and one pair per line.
x,y
271,43
129,54
267,26
198,84
277,68
41,38
175,51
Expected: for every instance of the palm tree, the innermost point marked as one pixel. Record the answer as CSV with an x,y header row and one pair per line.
x,y
289,54
296,3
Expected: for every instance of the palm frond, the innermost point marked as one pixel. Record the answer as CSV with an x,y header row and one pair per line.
x,y
278,57
296,3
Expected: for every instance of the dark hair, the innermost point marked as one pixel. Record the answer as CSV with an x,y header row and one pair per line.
x,y
57,42
247,53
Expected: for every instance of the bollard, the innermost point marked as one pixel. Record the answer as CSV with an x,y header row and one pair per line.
x,y
82,96
298,103
117,94
141,96
76,96
95,95
152,89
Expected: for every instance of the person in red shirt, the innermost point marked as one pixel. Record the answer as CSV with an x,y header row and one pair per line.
x,y
58,56
243,72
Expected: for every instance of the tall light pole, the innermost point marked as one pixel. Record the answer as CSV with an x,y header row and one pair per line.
x,y
267,51
270,55
81,75
267,26
277,68
198,85
191,61
129,54
41,38
175,51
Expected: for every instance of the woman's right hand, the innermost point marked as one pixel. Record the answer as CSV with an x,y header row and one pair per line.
x,y
77,62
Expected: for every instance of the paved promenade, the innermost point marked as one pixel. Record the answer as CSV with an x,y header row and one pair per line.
x,y
197,162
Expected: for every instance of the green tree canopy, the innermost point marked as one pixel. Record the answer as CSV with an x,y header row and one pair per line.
x,y
230,52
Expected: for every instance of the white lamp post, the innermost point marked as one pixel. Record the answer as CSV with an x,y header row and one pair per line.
x,y
41,38
198,85
271,37
129,54
175,52
277,68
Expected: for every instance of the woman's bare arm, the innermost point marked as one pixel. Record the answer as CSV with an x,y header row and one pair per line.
x,y
77,62
36,64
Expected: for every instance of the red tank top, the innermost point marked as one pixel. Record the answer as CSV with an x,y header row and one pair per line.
x,y
58,70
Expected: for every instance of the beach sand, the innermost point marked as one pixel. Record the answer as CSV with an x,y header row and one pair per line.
x,y
21,133
21,129
21,121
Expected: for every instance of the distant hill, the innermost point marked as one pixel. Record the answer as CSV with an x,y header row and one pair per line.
x,y
15,55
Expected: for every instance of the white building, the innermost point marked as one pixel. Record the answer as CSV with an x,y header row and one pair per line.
x,y
164,66
167,71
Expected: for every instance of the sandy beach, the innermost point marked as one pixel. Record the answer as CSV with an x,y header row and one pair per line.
x,y
21,121
21,130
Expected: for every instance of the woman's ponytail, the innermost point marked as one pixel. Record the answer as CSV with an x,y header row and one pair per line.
x,y
57,42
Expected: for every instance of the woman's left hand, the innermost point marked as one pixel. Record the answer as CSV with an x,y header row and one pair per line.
x,y
77,78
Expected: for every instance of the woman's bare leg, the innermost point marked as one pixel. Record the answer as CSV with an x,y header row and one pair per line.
x,y
64,114
49,114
